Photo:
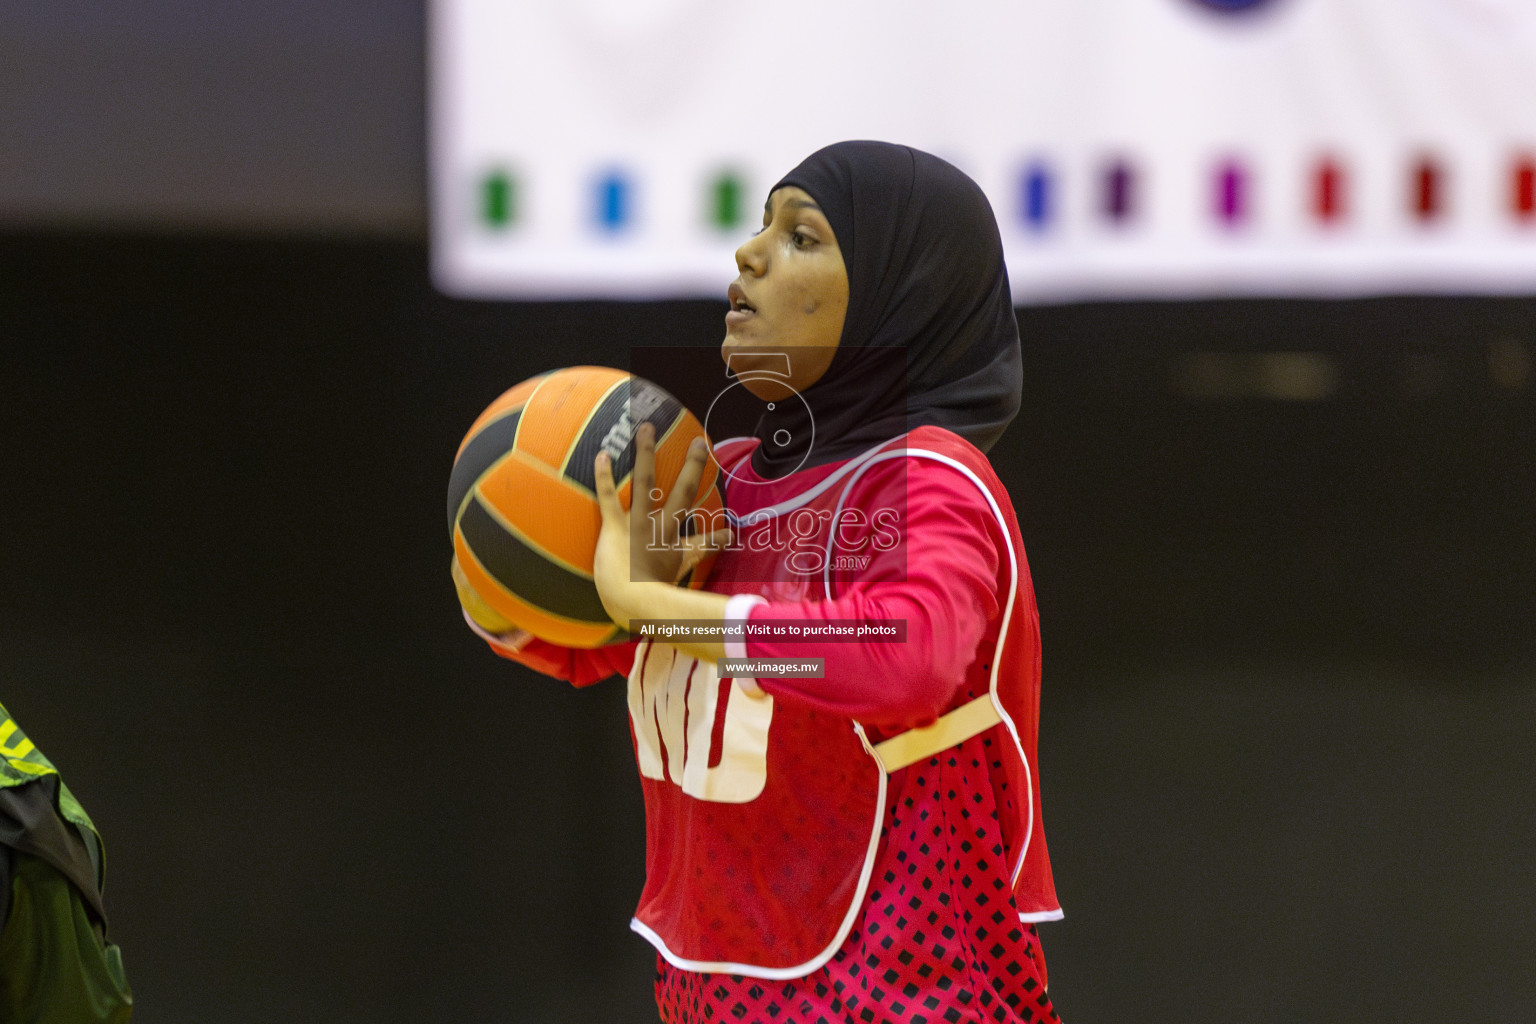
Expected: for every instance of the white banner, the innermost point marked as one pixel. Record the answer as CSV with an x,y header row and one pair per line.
x,y
1131,148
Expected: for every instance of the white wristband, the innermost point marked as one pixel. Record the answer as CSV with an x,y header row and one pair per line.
x,y
739,609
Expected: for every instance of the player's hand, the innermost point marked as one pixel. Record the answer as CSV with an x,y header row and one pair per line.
x,y
645,544
482,614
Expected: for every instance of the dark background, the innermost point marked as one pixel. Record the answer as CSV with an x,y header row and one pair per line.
x,y
1288,709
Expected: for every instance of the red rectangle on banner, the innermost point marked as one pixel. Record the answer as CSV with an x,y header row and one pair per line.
x,y
1328,191
1523,188
1427,189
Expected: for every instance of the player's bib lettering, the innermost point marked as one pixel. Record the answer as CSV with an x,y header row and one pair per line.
x,y
710,739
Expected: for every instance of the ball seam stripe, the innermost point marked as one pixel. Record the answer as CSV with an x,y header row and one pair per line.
x,y
528,542
545,469
613,629
489,448
533,404
506,555
533,395
529,386
538,466
592,413
623,465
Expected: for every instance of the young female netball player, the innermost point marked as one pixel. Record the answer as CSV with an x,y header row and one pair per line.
x,y
860,841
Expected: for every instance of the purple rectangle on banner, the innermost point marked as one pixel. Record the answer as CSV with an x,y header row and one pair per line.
x,y
1119,191
1231,193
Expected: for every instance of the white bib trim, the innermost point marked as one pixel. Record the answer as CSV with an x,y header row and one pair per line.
x,y
899,751
865,463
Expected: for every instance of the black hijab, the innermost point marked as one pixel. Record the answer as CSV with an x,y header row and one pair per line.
x,y
925,277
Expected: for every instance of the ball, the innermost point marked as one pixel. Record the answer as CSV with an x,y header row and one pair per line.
x,y
522,501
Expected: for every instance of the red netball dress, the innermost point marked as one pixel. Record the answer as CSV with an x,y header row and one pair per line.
x,y
865,845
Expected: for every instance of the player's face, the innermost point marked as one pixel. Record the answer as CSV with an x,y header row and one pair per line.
x,y
789,298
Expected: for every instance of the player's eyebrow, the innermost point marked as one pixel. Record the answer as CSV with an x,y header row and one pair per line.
x,y
794,204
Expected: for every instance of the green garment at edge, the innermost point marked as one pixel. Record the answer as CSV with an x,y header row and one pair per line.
x,y
56,965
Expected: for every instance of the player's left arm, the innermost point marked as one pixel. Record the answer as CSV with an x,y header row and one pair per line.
x,y
944,582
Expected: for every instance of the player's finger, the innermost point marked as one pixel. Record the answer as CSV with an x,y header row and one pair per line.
x,y
685,491
642,494
643,475
719,540
607,493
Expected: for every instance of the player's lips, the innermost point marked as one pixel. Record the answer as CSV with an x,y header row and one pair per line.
x,y
742,309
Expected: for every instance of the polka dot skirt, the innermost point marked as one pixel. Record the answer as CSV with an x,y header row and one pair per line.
x,y
938,939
